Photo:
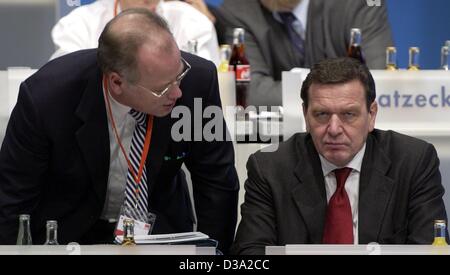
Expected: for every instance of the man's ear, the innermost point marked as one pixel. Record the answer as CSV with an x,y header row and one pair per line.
x,y
372,115
115,83
305,111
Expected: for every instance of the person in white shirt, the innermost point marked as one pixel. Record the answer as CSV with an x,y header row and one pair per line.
x,y
201,6
81,28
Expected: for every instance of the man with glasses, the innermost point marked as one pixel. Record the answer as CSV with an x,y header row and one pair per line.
x,y
90,137
176,82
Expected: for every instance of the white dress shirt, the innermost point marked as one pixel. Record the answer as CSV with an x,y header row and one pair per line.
x,y
351,185
118,167
301,14
81,28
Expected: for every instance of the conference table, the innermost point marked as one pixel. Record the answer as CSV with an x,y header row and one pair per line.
x,y
370,249
76,249
294,249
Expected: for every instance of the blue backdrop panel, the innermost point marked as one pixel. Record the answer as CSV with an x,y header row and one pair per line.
x,y
215,2
425,24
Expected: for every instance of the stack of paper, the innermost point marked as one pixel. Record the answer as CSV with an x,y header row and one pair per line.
x,y
167,238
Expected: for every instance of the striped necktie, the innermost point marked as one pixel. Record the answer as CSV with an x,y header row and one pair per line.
x,y
137,199
297,41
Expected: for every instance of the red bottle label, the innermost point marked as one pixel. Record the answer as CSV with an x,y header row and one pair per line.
x,y
242,72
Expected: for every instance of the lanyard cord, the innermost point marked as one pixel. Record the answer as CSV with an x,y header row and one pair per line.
x,y
137,177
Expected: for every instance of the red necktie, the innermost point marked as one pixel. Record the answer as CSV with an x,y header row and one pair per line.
x,y
339,222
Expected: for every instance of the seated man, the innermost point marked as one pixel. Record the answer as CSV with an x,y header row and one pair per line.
x,y
91,135
284,34
81,28
342,182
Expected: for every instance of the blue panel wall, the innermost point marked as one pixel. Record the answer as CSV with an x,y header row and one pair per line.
x,y
421,23
65,6
215,2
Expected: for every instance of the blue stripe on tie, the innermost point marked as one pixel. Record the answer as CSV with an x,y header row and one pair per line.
x,y
137,145
297,41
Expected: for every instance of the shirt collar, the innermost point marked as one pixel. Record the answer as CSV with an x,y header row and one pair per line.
x,y
119,110
300,12
355,163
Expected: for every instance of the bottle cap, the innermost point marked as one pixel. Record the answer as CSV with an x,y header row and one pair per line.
x,y
238,31
24,217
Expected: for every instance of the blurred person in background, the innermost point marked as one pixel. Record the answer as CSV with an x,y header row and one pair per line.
x,y
81,28
203,7
284,34
213,14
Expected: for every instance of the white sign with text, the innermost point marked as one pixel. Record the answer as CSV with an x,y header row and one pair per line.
x,y
411,102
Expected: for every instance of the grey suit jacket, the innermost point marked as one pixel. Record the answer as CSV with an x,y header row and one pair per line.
x,y
400,194
270,51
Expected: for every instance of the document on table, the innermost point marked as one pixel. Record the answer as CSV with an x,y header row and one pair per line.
x,y
167,238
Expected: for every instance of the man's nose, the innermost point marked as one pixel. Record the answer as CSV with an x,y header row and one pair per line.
x,y
335,126
175,93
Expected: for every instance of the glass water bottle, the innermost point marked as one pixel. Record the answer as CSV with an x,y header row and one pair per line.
x,y
24,235
225,53
414,54
440,232
391,59
128,232
445,58
354,49
52,233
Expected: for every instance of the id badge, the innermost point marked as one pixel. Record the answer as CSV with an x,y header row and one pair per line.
x,y
143,222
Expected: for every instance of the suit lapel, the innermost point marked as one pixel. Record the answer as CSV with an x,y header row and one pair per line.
x,y
374,192
93,136
160,141
278,35
309,193
315,40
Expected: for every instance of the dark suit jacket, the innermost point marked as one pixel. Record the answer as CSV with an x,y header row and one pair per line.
x,y
54,161
400,194
220,25
270,51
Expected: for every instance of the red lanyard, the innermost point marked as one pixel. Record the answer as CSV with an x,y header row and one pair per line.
x,y
148,138
116,5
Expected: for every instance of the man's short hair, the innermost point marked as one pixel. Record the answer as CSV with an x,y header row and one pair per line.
x,y
118,45
337,71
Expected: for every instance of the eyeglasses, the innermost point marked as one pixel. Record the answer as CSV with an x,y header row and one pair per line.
x,y
177,81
